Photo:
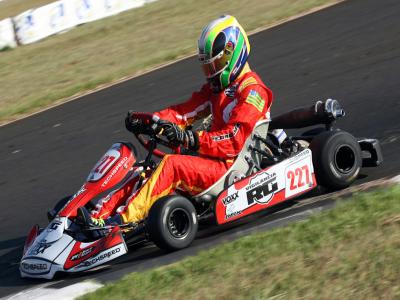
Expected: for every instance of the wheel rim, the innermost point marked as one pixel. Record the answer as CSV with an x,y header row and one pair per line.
x,y
179,223
345,159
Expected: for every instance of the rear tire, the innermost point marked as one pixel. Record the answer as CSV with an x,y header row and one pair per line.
x,y
337,159
172,223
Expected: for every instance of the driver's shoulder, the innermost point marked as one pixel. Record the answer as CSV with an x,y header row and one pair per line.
x,y
250,85
249,79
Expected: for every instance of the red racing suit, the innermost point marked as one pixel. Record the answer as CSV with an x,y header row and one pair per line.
x,y
235,111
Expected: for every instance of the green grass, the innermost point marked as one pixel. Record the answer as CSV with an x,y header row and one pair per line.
x,y
349,252
38,75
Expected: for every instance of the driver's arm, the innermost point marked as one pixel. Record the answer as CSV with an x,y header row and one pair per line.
x,y
184,114
253,105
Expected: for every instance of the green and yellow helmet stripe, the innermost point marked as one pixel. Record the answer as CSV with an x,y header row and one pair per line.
x,y
225,76
212,34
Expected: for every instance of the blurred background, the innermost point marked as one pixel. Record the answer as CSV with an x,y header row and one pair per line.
x,y
127,38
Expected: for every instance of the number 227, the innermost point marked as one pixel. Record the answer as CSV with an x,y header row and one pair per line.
x,y
297,179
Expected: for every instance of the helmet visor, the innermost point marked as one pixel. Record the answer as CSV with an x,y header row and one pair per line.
x,y
215,65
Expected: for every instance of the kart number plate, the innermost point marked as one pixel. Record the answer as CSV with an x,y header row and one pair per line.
x,y
104,164
299,177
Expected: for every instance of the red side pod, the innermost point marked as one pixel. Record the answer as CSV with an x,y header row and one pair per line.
x,y
266,188
83,251
222,217
109,171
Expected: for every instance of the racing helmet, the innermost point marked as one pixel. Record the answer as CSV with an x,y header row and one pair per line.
x,y
223,51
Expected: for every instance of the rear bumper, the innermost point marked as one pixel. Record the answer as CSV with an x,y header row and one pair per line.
x,y
371,152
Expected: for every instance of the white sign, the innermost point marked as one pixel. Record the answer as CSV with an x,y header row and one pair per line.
x,y
88,10
7,36
36,24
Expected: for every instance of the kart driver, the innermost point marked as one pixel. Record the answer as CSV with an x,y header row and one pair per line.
x,y
234,95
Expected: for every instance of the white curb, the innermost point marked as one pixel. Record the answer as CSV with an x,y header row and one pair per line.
x,y
67,293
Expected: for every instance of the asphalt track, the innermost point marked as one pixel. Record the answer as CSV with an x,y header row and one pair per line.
x,y
349,52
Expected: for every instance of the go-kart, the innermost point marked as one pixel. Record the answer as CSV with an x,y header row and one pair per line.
x,y
265,173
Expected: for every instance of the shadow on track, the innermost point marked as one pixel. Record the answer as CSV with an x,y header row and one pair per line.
x,y
9,262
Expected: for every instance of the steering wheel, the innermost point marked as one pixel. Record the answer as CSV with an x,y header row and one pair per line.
x,y
145,139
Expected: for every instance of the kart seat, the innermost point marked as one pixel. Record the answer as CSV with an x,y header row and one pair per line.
x,y
246,162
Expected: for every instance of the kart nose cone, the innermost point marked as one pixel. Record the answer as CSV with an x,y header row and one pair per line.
x,y
33,267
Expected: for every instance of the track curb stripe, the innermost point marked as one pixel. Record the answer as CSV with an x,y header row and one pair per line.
x,y
69,292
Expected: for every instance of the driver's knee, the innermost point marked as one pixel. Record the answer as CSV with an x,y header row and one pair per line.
x,y
174,162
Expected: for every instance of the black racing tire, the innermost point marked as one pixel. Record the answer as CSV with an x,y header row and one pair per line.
x,y
337,159
172,223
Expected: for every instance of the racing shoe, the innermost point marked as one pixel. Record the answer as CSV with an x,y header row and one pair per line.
x,y
87,220
97,222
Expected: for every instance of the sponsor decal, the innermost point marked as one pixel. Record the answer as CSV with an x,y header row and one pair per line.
x,y
57,17
227,136
54,225
105,163
263,189
39,248
81,190
263,178
300,155
114,171
99,258
81,254
230,198
34,267
262,194
234,214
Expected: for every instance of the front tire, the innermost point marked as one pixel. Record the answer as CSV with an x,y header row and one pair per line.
x,y
172,223
336,158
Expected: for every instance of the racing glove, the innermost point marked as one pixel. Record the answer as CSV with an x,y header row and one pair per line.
x,y
177,136
134,124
